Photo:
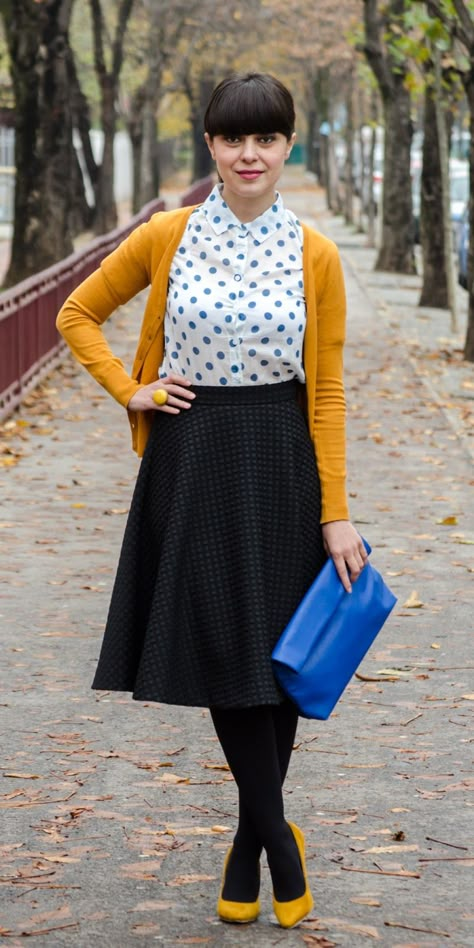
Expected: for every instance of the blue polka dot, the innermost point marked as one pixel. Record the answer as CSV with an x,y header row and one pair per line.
x,y
254,377
265,292
232,296
212,269
184,336
179,346
180,310
220,355
182,250
216,219
242,317
230,243
174,355
289,341
254,263
255,329
268,253
221,283
217,330
195,350
223,381
291,233
265,340
226,261
264,362
278,303
199,376
252,352
240,256
277,352
209,366
275,208
228,318
281,328
203,314
264,230
198,278
207,291
268,316
281,243
192,324
212,197
252,305
189,263
206,340
193,299
234,368
253,286
276,374
203,255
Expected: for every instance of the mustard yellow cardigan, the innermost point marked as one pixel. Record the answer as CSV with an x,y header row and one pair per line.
x,y
144,259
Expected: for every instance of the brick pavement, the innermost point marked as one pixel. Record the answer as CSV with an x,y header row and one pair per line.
x,y
117,814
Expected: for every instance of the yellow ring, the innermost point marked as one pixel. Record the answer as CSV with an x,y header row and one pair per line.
x,y
160,396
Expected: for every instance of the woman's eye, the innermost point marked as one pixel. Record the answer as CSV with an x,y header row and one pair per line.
x,y
267,139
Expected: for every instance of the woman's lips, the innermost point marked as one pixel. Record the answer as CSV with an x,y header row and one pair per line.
x,y
250,175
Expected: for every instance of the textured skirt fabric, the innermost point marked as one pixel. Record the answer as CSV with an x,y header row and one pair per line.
x,y
222,540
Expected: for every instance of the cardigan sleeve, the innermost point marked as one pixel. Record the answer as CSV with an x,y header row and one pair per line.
x,y
121,275
330,405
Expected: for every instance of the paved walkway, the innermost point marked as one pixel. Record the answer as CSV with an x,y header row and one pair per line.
x,y
117,815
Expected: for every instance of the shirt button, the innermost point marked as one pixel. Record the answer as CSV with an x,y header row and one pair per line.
x,y
237,277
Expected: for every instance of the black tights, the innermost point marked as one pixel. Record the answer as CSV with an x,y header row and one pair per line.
x,y
257,743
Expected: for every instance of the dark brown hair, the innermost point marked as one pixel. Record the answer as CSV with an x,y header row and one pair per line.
x,y
251,103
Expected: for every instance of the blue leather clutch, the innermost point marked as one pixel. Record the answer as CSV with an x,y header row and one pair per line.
x,y
328,636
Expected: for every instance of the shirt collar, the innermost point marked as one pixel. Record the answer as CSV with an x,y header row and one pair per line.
x,y
221,218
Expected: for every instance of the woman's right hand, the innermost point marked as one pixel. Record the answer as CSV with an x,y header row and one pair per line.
x,y
177,389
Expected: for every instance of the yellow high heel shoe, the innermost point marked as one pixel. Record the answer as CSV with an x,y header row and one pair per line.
x,y
290,913
238,912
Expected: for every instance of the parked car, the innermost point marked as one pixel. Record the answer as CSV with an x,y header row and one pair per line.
x,y
463,247
458,197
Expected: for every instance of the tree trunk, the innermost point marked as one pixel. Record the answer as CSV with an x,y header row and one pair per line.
x,y
106,209
469,342
435,288
135,130
37,36
349,181
202,161
396,252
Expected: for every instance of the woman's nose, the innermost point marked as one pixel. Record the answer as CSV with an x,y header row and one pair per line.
x,y
249,150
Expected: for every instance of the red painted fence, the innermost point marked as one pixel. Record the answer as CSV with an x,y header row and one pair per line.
x,y
30,346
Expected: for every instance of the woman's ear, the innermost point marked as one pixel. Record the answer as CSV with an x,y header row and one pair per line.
x,y
291,142
208,140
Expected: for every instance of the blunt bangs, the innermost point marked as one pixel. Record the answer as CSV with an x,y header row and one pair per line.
x,y
248,105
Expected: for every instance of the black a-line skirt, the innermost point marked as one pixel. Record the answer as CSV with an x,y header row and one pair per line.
x,y
222,540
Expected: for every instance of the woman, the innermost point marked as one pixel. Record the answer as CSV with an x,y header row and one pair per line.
x,y
236,403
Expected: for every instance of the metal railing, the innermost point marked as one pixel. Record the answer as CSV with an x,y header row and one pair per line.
x,y
30,345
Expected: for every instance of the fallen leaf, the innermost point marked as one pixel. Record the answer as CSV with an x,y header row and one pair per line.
x,y
469,697
409,848
190,879
413,602
448,521
365,900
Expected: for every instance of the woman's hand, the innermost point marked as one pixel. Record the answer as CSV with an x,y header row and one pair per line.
x,y
345,546
177,389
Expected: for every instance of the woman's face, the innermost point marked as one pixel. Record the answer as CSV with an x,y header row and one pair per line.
x,y
250,166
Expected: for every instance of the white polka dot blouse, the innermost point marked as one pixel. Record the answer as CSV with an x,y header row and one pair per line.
x,y
236,310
